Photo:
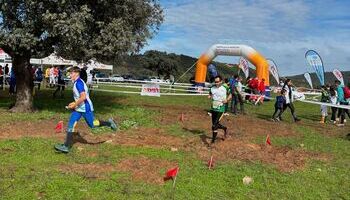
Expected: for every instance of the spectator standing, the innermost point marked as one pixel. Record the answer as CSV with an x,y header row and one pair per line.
x,y
247,89
237,96
39,76
47,76
325,98
12,90
60,83
288,87
83,74
52,77
7,74
55,71
1,77
333,99
340,101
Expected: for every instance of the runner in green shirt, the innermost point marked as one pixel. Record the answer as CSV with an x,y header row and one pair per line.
x,y
219,95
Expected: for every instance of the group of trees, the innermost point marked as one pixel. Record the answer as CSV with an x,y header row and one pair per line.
x,y
75,29
161,62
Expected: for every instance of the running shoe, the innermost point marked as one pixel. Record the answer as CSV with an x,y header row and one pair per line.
x,y
62,148
114,125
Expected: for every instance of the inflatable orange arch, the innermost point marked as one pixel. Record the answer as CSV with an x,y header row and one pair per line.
x,y
261,64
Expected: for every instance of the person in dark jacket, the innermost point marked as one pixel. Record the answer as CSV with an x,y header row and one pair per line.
x,y
60,83
279,105
83,74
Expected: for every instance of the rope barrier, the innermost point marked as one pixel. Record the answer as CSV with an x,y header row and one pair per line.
x,y
162,94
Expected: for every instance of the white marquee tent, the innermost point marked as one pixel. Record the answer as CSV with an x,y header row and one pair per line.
x,y
53,60
92,64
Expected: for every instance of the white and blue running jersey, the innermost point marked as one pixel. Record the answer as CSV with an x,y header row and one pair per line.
x,y
79,87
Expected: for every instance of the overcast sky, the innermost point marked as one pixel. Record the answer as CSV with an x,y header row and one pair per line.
x,y
279,29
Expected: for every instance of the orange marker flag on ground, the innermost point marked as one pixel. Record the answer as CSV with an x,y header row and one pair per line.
x,y
268,140
59,127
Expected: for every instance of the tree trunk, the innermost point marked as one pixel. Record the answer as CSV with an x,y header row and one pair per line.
x,y
24,84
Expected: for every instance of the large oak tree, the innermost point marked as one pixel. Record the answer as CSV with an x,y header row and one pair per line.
x,y
74,29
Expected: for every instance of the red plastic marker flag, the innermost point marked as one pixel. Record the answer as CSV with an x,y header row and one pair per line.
x,y
211,162
268,140
59,127
171,173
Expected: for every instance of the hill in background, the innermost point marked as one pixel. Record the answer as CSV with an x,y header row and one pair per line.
x,y
136,65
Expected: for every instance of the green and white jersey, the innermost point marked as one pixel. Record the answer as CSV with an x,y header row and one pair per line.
x,y
219,94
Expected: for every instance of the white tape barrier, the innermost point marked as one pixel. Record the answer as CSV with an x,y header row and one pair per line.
x,y
244,93
162,94
162,85
140,85
106,80
168,89
301,100
326,104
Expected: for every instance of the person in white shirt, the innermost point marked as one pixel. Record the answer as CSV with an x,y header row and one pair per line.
x,y
288,87
52,82
237,96
333,98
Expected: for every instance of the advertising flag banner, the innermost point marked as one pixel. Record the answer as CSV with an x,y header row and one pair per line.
x,y
273,70
315,61
338,75
308,79
244,66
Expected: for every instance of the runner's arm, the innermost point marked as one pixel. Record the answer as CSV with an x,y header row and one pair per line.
x,y
81,99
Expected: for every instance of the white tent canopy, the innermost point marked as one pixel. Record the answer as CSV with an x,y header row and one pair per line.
x,y
52,60
92,64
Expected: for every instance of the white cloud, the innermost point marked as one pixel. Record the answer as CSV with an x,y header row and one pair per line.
x,y
280,29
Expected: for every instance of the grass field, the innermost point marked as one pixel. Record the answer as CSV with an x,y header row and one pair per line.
x,y
306,160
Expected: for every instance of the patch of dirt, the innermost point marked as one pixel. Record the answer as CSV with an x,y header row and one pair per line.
x,y
284,158
197,120
146,169
141,169
17,130
328,129
147,137
93,171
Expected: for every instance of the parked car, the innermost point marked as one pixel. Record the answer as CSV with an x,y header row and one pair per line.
x,y
155,79
101,77
127,77
143,78
116,78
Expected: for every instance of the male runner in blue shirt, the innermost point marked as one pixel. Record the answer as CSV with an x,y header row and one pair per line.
x,y
81,107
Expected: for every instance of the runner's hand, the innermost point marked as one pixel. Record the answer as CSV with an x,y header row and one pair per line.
x,y
72,105
224,101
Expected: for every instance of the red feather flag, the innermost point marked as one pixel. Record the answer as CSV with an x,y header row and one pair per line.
x,y
59,127
268,140
171,173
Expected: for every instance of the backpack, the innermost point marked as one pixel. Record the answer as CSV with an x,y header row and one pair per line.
x,y
346,92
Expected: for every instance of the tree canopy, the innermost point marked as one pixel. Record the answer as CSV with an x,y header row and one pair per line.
x,y
74,29
161,62
78,29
